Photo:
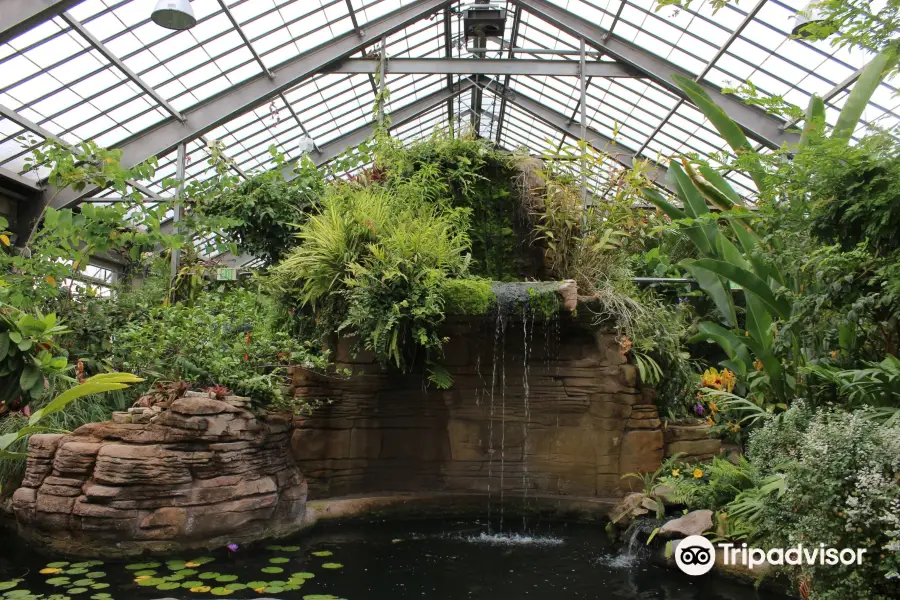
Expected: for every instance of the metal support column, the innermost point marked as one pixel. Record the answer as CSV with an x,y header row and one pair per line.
x,y
583,77
382,81
179,206
448,53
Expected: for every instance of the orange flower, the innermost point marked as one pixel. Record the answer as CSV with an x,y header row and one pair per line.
x,y
757,365
698,473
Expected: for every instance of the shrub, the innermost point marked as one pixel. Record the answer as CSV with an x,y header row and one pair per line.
x,y
842,472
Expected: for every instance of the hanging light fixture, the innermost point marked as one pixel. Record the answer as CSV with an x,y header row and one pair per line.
x,y
174,14
305,145
810,14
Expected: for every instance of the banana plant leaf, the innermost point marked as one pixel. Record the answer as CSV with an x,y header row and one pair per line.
x,y
105,382
771,365
730,343
868,82
750,282
716,287
727,128
759,322
695,234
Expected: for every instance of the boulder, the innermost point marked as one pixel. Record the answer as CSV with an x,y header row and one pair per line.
x,y
693,523
200,475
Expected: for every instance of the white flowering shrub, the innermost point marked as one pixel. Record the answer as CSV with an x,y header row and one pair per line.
x,y
843,490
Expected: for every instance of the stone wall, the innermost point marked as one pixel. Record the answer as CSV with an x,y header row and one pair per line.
x,y
692,442
568,420
201,474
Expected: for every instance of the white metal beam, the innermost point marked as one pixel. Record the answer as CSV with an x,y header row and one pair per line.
x,y
19,16
485,66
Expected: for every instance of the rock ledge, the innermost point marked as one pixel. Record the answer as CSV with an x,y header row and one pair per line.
x,y
201,474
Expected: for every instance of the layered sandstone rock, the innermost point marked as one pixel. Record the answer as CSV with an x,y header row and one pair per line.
x,y
202,474
692,442
544,409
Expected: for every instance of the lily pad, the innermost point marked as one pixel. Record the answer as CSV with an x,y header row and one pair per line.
x,y
303,575
199,561
201,589
149,572
271,589
175,577
77,571
254,585
17,594
323,553
58,565
96,574
176,565
272,570
50,571
102,596
83,582
99,586
279,560
234,587
8,585
332,566
290,548
321,597
191,584
142,566
151,582
186,572
221,591
59,581
210,575
76,590
81,565
169,585
226,578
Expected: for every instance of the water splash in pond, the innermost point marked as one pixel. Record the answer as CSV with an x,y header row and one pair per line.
x,y
437,560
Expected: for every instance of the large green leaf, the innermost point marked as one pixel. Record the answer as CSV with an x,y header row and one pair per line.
x,y
694,202
97,384
868,82
730,343
750,282
716,288
771,365
727,128
721,184
814,120
696,234
759,321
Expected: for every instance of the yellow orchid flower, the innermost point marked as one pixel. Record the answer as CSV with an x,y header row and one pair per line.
x,y
698,473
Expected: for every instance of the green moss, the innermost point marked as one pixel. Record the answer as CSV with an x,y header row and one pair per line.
x,y
468,297
543,303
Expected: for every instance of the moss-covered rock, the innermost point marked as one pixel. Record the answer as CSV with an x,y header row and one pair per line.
x,y
468,297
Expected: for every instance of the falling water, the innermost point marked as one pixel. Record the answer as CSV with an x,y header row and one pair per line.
x,y
497,339
525,339
502,416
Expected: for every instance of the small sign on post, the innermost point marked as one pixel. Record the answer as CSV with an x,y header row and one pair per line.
x,y
226,274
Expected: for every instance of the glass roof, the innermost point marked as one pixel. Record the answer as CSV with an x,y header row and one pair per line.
x,y
55,81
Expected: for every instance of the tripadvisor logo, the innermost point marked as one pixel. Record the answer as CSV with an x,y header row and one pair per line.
x,y
695,555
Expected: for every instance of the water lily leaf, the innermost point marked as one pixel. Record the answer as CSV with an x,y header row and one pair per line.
x,y
320,597
176,565
59,581
220,591
50,571
96,574
76,591
186,572
293,585
208,575
332,566
191,584
17,594
151,581
201,589
175,577
76,571
8,585
101,596
168,586
58,565
142,566
149,572
275,548
83,582
226,578
199,561
272,570
100,586
274,590
303,575
234,587
80,565
256,584
323,553
279,560
290,548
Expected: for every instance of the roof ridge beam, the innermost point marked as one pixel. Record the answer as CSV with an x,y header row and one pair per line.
x,y
254,92
754,121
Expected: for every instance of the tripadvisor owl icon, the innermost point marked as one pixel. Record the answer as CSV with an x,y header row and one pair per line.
x,y
695,555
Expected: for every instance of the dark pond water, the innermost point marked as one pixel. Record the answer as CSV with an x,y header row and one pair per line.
x,y
447,560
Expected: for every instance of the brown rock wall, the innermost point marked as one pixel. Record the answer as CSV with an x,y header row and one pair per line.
x,y
202,474
570,419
